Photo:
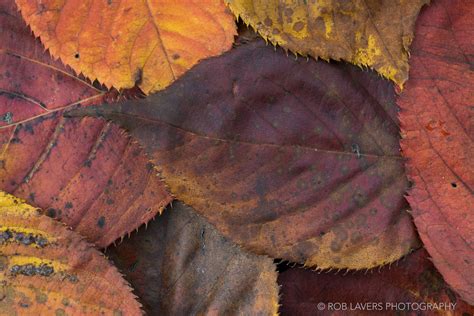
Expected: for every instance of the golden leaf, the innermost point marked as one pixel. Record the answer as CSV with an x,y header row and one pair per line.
x,y
376,34
123,43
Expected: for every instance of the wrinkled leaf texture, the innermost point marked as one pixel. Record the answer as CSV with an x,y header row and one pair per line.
x,y
367,33
413,279
86,173
298,160
47,269
438,129
181,265
128,42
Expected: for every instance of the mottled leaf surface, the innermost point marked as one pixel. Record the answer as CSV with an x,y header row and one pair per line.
x,y
367,33
438,129
297,160
86,172
46,269
181,265
128,42
413,279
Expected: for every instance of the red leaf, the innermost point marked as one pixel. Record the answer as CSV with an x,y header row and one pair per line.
x,y
84,172
299,160
411,280
438,127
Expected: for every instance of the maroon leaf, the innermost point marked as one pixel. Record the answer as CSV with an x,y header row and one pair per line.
x,y
298,160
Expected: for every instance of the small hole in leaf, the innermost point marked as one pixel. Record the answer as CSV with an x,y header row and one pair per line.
x,y
77,55
454,185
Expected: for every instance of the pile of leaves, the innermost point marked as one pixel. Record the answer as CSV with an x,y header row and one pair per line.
x,y
272,155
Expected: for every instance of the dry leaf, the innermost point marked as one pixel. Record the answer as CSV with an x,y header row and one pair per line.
x,y
438,128
84,172
297,160
367,33
46,269
181,265
123,43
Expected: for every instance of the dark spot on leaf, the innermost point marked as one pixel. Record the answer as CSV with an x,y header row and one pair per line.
x,y
7,117
149,166
298,26
101,222
335,246
51,212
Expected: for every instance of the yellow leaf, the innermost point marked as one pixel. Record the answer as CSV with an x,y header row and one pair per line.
x,y
46,269
376,33
123,43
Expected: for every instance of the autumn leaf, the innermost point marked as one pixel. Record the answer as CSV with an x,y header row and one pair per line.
x,y
46,268
123,43
437,138
297,160
376,34
413,280
181,265
86,173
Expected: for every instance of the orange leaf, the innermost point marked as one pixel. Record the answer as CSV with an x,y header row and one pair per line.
x,y
437,129
46,268
85,172
123,43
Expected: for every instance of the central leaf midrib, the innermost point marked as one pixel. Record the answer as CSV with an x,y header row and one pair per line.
x,y
213,138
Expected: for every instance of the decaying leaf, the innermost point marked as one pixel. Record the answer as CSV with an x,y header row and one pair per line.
x,y
412,283
123,43
367,33
438,129
297,160
84,172
46,269
181,265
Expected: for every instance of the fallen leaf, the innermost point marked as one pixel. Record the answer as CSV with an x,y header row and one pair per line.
x,y
181,265
438,128
297,160
367,33
46,269
84,172
406,287
123,43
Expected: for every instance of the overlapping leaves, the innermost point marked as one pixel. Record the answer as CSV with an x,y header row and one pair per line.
x,y
87,173
297,160
46,269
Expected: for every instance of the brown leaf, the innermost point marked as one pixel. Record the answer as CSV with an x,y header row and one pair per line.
x,y
367,33
297,160
84,172
128,42
405,288
438,130
181,265
46,269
